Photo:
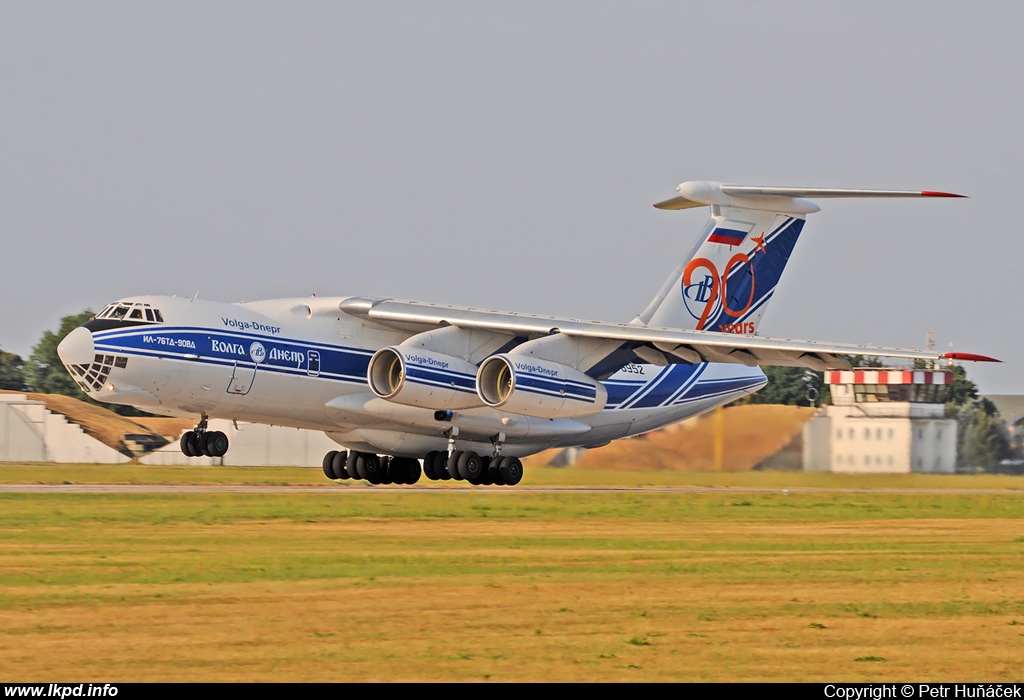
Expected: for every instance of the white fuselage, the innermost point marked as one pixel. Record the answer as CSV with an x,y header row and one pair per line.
x,y
303,363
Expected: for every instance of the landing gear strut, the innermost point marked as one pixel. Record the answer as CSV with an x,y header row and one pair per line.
x,y
201,442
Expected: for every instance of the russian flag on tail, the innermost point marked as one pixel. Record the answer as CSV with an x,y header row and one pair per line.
x,y
727,236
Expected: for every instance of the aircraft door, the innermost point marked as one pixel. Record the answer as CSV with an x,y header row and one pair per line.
x,y
242,378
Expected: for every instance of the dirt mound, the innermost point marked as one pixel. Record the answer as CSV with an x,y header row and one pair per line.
x,y
750,435
97,422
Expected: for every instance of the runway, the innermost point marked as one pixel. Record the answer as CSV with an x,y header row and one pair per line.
x,y
362,489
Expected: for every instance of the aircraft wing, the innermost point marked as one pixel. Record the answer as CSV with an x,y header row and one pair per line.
x,y
659,346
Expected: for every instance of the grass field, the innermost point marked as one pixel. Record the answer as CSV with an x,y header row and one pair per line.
x,y
367,583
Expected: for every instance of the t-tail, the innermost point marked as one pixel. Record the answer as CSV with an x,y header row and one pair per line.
x,y
730,273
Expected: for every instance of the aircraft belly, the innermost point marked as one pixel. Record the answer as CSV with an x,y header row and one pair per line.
x,y
405,444
369,411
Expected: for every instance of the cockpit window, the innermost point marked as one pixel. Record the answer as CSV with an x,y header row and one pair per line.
x,y
128,311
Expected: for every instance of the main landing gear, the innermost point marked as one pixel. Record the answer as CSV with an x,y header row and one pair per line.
x,y
370,467
437,466
204,443
471,467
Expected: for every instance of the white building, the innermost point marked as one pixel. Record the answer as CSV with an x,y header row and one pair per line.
x,y
883,421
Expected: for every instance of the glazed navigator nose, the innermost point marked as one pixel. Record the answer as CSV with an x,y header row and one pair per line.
x,y
77,347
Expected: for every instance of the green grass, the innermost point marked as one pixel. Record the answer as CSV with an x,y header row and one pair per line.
x,y
371,583
205,538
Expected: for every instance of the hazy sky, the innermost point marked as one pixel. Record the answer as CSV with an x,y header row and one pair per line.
x,y
506,155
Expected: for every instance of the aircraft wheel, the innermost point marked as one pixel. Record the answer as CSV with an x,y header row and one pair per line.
x,y
412,471
404,470
470,467
360,468
441,466
486,479
396,470
338,465
350,465
188,444
494,471
428,465
452,465
201,446
216,444
386,475
511,471
370,465
329,464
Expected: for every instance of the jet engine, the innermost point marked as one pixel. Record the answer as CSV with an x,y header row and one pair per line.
x,y
416,377
538,388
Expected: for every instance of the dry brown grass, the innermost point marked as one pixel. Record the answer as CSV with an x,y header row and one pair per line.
x,y
752,433
450,630
170,428
542,598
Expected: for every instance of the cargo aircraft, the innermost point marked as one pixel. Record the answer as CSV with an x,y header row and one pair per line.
x,y
469,391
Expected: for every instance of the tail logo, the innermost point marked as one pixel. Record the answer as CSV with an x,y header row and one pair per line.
x,y
704,300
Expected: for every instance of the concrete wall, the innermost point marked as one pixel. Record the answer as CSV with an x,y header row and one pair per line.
x,y
817,445
29,432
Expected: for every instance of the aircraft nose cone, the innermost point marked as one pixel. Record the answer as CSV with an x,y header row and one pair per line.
x,y
77,347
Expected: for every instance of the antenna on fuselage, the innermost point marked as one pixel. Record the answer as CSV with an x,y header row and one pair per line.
x,y
194,297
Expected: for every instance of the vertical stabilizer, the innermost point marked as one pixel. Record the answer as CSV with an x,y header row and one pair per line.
x,y
726,282
730,273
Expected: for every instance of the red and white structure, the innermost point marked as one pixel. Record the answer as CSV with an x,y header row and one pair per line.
x,y
883,421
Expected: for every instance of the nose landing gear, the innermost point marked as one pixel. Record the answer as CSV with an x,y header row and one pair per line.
x,y
201,442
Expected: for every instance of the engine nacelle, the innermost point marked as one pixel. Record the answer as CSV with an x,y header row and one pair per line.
x,y
421,378
532,387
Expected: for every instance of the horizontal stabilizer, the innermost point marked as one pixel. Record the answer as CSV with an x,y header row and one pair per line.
x,y
790,200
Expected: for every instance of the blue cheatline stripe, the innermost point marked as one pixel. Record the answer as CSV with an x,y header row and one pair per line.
x,y
666,384
695,377
716,387
717,391
460,383
437,375
242,365
678,390
659,377
543,385
282,355
709,395
166,330
682,380
620,390
441,385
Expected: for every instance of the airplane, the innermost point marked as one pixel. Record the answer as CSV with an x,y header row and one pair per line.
x,y
469,392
